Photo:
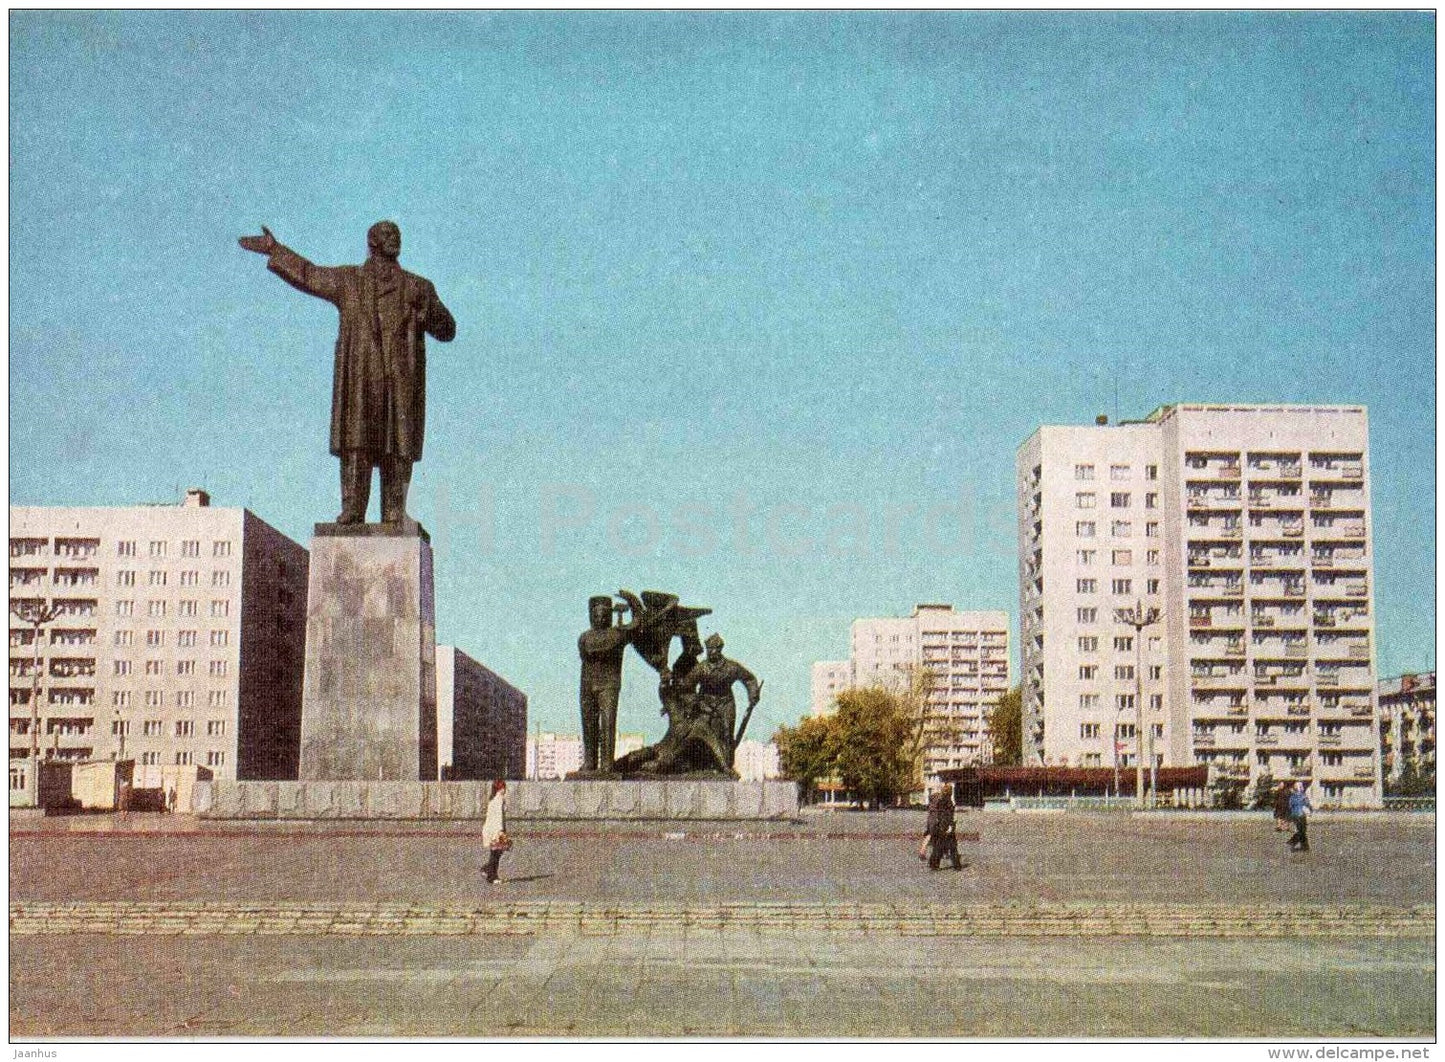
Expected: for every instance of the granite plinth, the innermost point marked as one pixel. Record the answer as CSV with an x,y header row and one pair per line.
x,y
368,707
571,801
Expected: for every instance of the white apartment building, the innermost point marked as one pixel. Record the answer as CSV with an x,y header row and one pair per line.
x,y
756,761
555,756
1248,528
965,656
1407,725
180,641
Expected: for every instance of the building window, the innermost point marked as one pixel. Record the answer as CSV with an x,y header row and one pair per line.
x,y
215,759
157,578
122,638
151,728
1083,471
156,609
216,699
1086,557
1088,702
1123,557
191,578
1084,499
1086,615
183,759
1121,529
219,638
186,639
1151,471
1156,702
220,579
1151,529
120,699
185,699
1124,672
155,699
186,608
125,608
153,667
216,728
155,639
218,668
122,667
125,549
1151,501
185,728
150,759
1153,643
191,547
1156,672
125,578
1088,730
1119,473
1125,730
158,549
185,668
1084,529
220,549
1151,586
1123,586
1089,643
1088,672
1124,643
1119,499
220,609
1086,586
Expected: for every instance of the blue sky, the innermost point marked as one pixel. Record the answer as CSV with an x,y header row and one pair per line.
x,y
752,306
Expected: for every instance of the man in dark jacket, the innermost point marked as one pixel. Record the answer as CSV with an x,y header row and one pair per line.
x,y
378,396
943,840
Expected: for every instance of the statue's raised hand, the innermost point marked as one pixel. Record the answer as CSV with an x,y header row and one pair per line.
x,y
263,244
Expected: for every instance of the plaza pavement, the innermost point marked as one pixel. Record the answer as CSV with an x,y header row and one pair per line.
x,y
1062,925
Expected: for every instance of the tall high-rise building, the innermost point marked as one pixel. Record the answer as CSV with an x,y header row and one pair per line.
x,y
481,720
1248,529
181,636
960,660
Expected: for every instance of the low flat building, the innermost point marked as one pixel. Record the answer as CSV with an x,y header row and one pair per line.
x,y
756,761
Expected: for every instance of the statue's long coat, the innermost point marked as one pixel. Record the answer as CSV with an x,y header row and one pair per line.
x,y
378,394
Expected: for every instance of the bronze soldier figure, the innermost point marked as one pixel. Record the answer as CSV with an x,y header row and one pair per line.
x,y
378,396
713,680
601,647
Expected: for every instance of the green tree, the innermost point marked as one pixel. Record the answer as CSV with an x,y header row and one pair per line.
x,y
879,734
806,752
1264,790
1006,728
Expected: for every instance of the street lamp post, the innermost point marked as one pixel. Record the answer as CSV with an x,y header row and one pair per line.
x,y
1139,617
37,616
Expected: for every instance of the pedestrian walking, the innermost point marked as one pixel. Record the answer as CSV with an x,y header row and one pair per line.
x,y
942,838
1299,809
171,800
1281,807
494,830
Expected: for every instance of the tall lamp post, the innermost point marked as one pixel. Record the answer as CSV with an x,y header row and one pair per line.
x,y
1139,617
37,616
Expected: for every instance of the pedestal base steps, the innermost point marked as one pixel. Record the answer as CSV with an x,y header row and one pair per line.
x,y
577,801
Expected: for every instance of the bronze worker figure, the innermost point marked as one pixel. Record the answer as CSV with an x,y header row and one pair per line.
x,y
378,396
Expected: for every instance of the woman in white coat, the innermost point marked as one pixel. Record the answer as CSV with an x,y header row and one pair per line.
x,y
494,830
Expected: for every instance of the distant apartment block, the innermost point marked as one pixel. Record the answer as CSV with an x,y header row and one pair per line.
x,y
481,720
1248,528
181,636
1407,725
965,658
756,761
554,756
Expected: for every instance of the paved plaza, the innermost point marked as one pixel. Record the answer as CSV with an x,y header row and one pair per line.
x,y
1062,925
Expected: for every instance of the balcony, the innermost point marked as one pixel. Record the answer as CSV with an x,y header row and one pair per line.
x,y
1356,590
1299,770
1203,741
1265,740
1363,772
1201,621
1327,680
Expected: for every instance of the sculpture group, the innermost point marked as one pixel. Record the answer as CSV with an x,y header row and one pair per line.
x,y
696,690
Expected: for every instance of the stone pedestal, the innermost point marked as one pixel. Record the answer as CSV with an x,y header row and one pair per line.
x,y
369,704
